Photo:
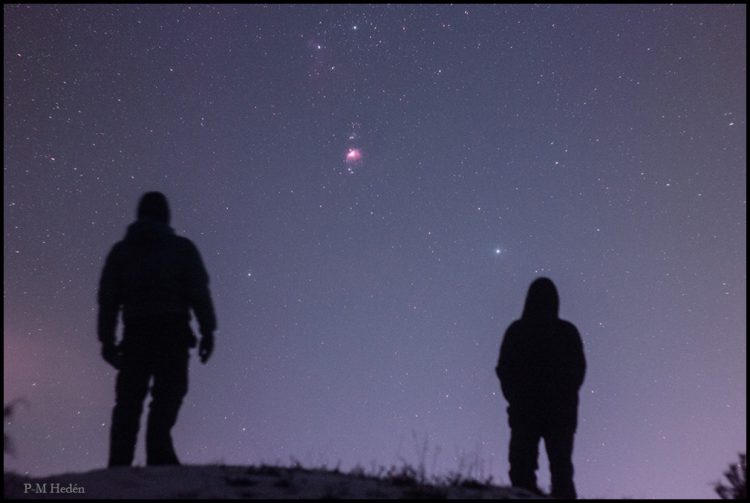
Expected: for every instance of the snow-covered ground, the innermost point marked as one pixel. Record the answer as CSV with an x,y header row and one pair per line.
x,y
223,482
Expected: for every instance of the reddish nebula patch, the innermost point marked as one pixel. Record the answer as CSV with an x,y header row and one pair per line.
x,y
353,155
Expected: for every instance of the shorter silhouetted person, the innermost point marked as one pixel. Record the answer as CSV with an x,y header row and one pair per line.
x,y
154,278
541,368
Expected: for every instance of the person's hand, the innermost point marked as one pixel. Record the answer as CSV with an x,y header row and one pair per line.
x,y
206,347
112,354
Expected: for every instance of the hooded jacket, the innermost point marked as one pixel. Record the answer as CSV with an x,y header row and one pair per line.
x,y
541,365
153,273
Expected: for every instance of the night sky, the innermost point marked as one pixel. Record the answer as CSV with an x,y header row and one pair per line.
x,y
373,189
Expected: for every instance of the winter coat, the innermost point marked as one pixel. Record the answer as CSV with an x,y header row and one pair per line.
x,y
541,368
541,365
153,274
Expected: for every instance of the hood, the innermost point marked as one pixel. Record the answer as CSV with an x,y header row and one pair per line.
x,y
542,301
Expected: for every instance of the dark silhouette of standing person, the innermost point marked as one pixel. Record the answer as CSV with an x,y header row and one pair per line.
x,y
155,278
541,368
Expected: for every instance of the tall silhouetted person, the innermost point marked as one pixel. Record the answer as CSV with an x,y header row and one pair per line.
x,y
541,368
155,278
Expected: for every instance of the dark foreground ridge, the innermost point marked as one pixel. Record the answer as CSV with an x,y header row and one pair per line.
x,y
248,482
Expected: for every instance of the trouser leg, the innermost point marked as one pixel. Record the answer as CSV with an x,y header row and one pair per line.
x,y
170,387
130,391
523,455
559,445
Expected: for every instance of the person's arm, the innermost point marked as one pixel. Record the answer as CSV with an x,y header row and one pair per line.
x,y
579,359
506,365
200,301
109,300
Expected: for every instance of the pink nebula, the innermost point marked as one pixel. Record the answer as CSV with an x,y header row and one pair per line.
x,y
353,155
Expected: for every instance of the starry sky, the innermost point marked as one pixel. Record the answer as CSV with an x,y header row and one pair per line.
x,y
372,189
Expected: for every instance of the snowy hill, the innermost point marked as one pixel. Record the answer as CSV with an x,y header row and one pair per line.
x,y
265,482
